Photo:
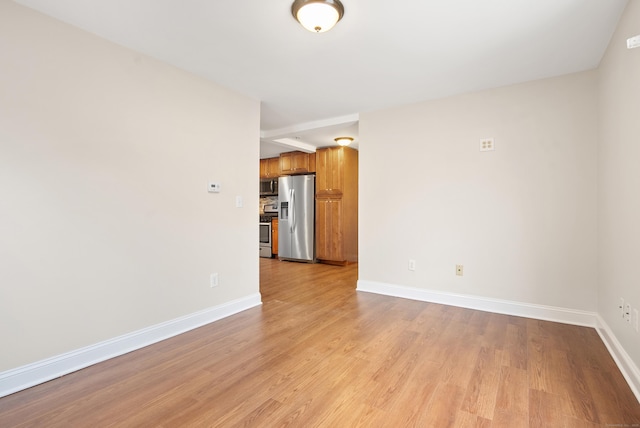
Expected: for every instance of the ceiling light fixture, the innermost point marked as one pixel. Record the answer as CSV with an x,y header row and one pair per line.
x,y
343,141
317,16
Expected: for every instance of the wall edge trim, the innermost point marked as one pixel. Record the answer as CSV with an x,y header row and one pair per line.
x,y
506,307
622,359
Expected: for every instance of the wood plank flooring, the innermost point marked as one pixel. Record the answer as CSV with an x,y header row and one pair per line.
x,y
319,354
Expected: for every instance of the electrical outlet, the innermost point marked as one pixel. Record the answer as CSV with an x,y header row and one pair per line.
x,y
635,319
627,312
621,307
459,269
412,264
213,280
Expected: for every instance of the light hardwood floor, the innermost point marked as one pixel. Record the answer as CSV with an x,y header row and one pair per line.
x,y
319,354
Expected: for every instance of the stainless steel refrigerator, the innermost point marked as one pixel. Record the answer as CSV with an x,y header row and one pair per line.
x,y
296,218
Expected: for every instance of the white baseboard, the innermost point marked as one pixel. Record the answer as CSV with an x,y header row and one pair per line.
x,y
628,368
15,380
541,312
548,313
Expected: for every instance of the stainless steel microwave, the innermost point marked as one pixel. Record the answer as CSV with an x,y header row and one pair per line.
x,y
268,187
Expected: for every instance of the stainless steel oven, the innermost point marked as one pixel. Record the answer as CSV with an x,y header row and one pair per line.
x,y
265,239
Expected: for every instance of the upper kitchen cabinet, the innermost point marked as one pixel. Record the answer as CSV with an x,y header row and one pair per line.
x,y
337,171
270,168
297,163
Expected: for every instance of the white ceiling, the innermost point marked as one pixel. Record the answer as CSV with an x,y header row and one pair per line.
x,y
382,53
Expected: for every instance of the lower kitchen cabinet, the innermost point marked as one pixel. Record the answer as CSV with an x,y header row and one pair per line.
x,y
274,236
328,230
336,232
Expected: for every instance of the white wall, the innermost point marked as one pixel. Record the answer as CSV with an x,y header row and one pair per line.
x,y
521,219
619,180
105,223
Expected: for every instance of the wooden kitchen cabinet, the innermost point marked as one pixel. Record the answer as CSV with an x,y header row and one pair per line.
x,y
329,230
270,168
274,235
297,163
273,167
336,169
337,205
326,174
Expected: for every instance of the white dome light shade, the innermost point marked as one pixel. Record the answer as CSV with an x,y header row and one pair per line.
x,y
317,16
343,141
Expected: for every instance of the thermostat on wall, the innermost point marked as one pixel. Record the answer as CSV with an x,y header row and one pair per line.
x,y
633,42
214,187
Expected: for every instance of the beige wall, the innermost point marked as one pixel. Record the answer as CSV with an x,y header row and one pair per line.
x,y
619,180
106,226
521,219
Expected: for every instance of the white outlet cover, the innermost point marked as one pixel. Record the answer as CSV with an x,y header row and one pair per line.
x,y
213,280
633,42
627,312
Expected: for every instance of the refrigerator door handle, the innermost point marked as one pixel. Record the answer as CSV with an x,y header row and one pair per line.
x,y
292,202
